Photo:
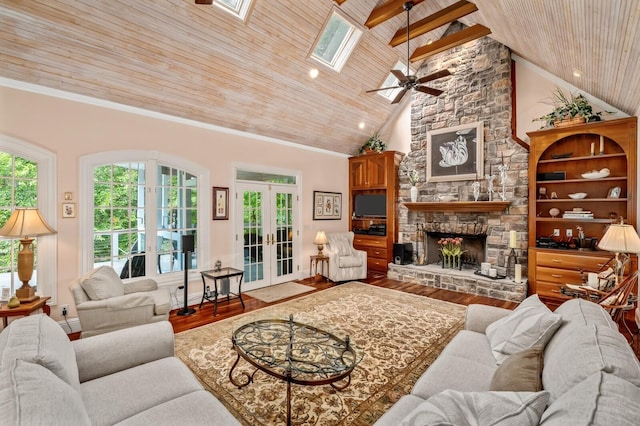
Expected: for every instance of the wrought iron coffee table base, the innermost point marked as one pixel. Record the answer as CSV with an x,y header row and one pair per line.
x,y
310,356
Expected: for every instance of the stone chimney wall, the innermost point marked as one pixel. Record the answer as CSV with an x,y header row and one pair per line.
x,y
478,90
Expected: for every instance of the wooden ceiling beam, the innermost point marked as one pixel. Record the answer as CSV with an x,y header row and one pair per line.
x,y
386,11
453,40
430,23
339,1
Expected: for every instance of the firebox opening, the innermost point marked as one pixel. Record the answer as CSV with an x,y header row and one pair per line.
x,y
473,246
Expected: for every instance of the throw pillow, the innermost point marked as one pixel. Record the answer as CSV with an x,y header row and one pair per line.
x,y
530,324
479,408
33,395
40,340
102,283
521,372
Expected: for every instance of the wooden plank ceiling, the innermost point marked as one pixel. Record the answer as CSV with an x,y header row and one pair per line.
x,y
199,62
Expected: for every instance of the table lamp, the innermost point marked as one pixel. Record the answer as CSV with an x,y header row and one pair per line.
x,y
320,240
620,238
25,224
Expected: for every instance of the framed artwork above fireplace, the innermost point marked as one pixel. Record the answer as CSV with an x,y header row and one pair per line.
x,y
455,153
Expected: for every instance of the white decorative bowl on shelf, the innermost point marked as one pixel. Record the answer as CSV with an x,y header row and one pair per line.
x,y
447,198
597,174
578,195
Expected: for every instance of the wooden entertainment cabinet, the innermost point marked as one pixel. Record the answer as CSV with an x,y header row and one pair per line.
x,y
558,158
375,174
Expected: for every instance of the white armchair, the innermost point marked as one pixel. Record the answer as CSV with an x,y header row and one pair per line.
x,y
104,303
345,262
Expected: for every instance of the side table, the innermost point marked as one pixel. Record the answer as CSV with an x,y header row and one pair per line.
x,y
313,265
25,309
217,275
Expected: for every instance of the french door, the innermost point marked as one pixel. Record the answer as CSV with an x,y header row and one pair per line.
x,y
266,232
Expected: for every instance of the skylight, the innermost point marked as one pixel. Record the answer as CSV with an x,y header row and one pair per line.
x,y
240,8
336,42
391,80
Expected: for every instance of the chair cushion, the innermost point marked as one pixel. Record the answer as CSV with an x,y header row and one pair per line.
x,y
40,340
521,372
102,283
33,395
587,350
479,408
162,299
530,324
349,261
601,399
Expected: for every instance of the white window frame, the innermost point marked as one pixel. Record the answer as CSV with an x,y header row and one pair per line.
x,y
347,46
151,159
47,268
241,12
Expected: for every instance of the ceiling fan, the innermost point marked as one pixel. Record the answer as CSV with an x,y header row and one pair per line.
x,y
407,82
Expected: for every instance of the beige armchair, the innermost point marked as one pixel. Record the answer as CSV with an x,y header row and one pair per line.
x,y
104,303
345,262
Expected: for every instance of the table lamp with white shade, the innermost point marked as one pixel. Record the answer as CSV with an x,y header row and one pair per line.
x,y
621,239
320,240
25,224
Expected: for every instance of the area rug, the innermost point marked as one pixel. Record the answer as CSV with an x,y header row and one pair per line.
x,y
399,334
277,292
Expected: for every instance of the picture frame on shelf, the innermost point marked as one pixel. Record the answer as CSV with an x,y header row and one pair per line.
x,y
327,205
455,153
220,203
614,192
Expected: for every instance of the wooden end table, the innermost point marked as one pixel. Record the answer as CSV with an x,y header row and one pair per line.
x,y
25,309
313,265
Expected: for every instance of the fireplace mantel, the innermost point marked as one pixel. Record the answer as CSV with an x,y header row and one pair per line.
x,y
459,206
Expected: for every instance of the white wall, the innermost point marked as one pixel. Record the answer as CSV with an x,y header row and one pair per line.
x,y
72,129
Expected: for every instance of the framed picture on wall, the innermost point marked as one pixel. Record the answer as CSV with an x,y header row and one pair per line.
x,y
220,203
68,210
327,205
455,153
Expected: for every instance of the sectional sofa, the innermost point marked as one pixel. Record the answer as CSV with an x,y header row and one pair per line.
x,y
528,366
125,377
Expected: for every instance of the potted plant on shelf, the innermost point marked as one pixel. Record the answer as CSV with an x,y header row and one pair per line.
x,y
569,110
373,144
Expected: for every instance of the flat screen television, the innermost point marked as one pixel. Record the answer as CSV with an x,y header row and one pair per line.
x,y
372,205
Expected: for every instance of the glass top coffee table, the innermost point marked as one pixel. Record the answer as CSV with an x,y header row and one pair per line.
x,y
293,352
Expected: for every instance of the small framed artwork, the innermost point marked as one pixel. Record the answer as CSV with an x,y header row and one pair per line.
x,y
614,192
220,203
68,196
455,153
327,205
68,210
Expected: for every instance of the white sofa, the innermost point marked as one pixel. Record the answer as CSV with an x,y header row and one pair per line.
x,y
498,370
126,377
105,303
345,262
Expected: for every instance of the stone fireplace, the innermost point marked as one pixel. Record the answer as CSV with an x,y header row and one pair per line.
x,y
478,91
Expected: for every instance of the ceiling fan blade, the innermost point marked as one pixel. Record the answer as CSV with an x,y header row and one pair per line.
x,y
382,88
399,96
400,76
434,76
429,90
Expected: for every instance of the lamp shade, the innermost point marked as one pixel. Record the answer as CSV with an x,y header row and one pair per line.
x,y
25,223
320,238
620,238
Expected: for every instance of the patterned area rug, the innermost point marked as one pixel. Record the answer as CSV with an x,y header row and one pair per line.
x,y
400,335
276,292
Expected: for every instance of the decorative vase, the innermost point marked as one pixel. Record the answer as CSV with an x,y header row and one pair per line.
x,y
414,194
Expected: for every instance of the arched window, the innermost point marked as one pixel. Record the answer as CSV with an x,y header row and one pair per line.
x,y
139,205
28,179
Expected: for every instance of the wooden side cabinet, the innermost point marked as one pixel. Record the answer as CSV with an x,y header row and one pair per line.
x,y
561,166
375,174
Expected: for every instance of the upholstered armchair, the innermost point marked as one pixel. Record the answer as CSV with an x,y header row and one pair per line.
x,y
345,262
105,303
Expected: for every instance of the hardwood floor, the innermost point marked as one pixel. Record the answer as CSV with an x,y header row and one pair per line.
x,y
233,307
